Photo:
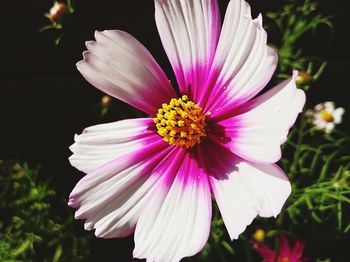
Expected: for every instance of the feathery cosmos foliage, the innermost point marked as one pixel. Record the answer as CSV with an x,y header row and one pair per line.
x,y
29,230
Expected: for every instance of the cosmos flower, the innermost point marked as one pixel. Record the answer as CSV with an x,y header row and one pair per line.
x,y
155,176
57,11
286,252
325,116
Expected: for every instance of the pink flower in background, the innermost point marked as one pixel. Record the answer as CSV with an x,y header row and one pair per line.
x,y
286,252
155,176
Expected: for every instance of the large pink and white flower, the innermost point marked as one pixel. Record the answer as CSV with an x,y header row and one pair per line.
x,y
155,176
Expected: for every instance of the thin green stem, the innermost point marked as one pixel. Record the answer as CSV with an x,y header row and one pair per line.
x,y
247,249
296,156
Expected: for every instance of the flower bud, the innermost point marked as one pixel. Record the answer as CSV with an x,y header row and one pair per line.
x,y
57,11
106,101
303,78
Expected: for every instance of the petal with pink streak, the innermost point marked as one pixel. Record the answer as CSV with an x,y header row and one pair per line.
x,y
256,130
120,66
265,252
244,190
112,197
297,251
176,222
189,32
243,62
101,143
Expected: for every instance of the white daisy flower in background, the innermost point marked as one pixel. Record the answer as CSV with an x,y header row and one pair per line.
x,y
325,116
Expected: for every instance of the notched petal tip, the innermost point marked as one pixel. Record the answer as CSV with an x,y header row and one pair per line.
x,y
86,55
235,236
89,44
259,21
295,74
78,64
88,226
71,203
71,148
97,33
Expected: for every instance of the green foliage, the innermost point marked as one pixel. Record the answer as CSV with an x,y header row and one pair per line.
x,y
297,19
320,175
30,231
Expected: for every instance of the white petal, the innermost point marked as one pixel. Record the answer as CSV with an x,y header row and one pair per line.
x,y
337,114
319,107
329,127
250,190
321,124
261,125
176,222
112,197
99,144
189,32
120,66
243,62
329,106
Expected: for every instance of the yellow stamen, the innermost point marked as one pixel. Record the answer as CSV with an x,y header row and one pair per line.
x,y
181,122
285,259
259,235
327,116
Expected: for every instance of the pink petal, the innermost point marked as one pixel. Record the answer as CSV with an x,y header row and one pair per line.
x,y
176,222
189,32
284,249
120,66
112,197
297,252
265,252
293,252
243,62
101,143
258,128
244,190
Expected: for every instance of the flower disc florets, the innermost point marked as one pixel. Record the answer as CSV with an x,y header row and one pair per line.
x,y
181,122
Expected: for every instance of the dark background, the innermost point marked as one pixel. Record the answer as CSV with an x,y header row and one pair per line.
x,y
44,100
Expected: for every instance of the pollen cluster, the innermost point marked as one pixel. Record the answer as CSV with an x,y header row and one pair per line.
x,y
327,116
181,122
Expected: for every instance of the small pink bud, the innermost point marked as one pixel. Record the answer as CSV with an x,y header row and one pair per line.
x,y
57,11
105,101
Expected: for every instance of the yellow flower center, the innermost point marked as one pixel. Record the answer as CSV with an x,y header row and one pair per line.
x,y
181,122
259,235
327,116
285,259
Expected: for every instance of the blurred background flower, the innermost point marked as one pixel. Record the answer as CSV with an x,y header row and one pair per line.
x,y
326,116
56,12
284,252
